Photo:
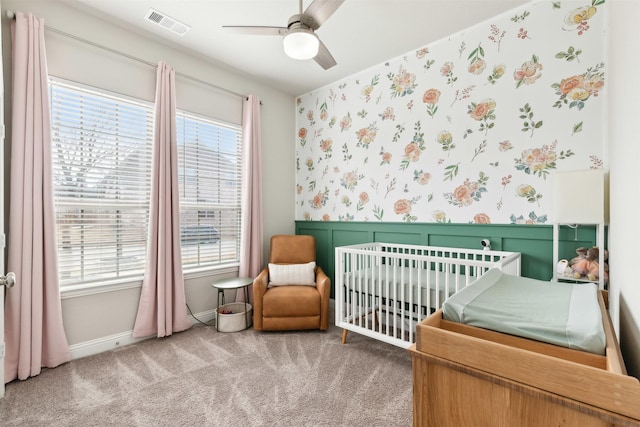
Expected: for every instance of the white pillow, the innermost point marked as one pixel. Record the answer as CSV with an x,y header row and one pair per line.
x,y
292,274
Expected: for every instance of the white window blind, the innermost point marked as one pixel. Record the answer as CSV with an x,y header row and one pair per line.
x,y
102,145
209,157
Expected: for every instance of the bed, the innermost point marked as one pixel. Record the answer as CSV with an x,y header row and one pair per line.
x,y
464,374
383,290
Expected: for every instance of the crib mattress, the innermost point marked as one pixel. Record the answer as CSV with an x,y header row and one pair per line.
x,y
566,314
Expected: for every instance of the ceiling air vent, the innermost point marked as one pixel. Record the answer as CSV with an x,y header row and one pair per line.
x,y
167,22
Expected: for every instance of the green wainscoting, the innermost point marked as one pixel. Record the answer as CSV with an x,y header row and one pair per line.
x,y
534,242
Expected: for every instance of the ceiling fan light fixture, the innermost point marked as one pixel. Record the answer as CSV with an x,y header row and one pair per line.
x,y
301,43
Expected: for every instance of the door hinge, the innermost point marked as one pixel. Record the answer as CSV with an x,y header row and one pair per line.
x,y
3,240
1,350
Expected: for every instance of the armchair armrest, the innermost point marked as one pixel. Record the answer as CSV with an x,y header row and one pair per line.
x,y
323,285
260,284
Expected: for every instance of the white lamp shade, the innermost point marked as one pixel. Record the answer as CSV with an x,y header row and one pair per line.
x,y
301,44
581,197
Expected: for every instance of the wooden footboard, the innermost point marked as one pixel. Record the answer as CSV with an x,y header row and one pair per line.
x,y
464,375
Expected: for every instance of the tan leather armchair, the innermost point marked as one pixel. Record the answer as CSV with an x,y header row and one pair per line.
x,y
291,307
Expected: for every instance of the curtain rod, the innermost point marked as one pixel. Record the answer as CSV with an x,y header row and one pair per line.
x,y
11,15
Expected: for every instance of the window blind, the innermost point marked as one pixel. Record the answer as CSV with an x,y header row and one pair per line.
x,y
210,170
102,145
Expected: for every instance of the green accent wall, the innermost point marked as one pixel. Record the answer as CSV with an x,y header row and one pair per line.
x,y
534,242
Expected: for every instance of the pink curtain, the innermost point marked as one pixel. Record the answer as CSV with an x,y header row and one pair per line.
x,y
34,333
251,223
162,307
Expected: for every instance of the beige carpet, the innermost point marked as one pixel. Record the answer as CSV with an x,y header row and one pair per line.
x,y
202,377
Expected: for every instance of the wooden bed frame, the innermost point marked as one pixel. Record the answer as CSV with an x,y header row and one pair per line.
x,y
463,376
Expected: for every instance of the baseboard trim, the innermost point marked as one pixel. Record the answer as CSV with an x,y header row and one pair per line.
x,y
111,342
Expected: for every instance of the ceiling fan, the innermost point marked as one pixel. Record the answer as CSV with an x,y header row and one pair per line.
x,y
300,40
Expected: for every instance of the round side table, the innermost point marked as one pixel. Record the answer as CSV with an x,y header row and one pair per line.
x,y
233,283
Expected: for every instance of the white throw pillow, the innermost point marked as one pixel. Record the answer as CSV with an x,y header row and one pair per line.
x,y
292,274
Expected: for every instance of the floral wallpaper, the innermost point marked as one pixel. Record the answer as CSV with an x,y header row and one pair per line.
x,y
468,129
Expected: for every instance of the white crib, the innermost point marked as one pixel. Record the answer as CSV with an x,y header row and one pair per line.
x,y
384,290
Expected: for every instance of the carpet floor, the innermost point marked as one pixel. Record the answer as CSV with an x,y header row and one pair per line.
x,y
202,377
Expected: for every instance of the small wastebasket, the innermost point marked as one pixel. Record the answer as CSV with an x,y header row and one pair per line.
x,y
235,321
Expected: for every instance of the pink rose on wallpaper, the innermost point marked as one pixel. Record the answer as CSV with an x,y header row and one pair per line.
x,y
402,207
481,218
325,144
575,90
463,195
446,69
412,152
366,135
386,158
345,123
422,52
570,83
477,67
482,109
528,73
326,217
302,133
319,200
403,83
431,96
364,197
504,146
388,114
350,180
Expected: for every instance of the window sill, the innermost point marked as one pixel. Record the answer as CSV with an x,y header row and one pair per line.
x,y
130,283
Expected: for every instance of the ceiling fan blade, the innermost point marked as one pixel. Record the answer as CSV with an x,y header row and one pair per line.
x,y
256,30
324,57
320,11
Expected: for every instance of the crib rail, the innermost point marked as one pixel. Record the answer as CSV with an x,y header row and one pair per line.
x,y
384,290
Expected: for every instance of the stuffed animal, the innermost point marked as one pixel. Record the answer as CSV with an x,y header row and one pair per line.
x,y
579,265
593,273
586,264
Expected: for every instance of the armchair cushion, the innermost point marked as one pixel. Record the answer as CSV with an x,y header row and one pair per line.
x,y
292,274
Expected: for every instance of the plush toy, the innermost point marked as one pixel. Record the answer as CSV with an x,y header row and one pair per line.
x,y
586,264
593,273
579,265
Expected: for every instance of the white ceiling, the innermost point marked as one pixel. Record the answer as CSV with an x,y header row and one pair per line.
x,y
360,34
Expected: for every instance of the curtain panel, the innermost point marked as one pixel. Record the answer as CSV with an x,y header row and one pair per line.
x,y
34,332
162,307
251,223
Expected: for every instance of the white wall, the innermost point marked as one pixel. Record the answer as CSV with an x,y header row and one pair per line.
x,y
624,151
101,320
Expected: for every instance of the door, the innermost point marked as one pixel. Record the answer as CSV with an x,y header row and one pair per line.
x,y
2,235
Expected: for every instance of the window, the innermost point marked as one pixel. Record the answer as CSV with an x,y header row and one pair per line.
x,y
102,147
102,177
209,166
